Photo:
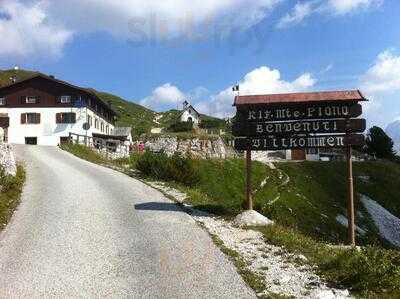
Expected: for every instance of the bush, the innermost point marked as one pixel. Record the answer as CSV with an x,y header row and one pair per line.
x,y
161,167
181,127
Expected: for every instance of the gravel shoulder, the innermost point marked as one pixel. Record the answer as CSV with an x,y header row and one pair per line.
x,y
83,230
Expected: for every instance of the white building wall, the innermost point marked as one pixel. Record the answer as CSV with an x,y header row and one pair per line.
x,y
48,132
190,113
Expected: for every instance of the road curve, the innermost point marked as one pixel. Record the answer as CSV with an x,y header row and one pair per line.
x,y
86,231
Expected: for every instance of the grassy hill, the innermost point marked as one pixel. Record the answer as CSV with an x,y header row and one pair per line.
x,y
5,75
130,114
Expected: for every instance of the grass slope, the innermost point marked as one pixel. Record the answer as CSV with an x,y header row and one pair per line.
x,y
5,75
130,114
10,191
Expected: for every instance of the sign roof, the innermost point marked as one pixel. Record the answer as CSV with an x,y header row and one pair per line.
x,y
303,97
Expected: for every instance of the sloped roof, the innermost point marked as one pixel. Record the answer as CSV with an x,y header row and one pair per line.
x,y
187,108
345,95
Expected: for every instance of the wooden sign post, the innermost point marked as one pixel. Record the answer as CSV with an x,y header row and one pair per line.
x,y
300,121
249,199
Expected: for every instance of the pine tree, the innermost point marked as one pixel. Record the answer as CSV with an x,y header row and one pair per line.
x,y
379,143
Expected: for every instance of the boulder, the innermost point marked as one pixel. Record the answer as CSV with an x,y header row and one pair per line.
x,y
251,218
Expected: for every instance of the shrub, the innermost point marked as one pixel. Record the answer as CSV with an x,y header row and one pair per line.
x,y
161,167
181,127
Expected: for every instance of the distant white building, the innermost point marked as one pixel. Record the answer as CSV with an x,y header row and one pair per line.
x,y
189,114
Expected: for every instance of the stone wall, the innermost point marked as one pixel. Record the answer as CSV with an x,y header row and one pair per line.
x,y
195,147
7,160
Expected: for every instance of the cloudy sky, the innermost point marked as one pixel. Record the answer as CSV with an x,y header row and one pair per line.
x,y
160,52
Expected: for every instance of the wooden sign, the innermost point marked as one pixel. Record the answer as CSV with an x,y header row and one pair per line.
x,y
253,113
299,127
293,142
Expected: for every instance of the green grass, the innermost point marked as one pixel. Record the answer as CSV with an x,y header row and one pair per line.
x,y
11,188
130,114
5,75
369,272
84,153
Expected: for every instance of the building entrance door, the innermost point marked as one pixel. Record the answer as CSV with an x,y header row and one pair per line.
x,y
31,140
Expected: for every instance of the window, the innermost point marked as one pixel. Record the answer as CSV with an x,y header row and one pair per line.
x,y
96,123
89,120
30,118
107,130
66,118
65,99
31,100
102,126
2,101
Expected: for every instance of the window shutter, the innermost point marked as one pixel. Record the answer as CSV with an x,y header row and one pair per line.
x,y
38,118
73,118
58,118
23,118
23,100
37,102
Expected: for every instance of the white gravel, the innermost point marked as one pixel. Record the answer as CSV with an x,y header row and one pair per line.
x,y
85,231
387,223
275,265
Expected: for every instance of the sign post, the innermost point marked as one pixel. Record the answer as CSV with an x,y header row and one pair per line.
x,y
301,121
350,202
249,200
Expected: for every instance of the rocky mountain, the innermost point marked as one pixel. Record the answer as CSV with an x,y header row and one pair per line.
x,y
393,130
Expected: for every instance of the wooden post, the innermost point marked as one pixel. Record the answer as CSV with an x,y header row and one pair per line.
x,y
350,203
249,200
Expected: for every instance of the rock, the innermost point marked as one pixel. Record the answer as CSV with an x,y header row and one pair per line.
x,y
251,218
195,147
324,294
7,160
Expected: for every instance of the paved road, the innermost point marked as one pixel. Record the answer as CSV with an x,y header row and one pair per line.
x,y
87,231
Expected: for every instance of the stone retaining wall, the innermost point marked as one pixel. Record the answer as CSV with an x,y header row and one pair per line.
x,y
197,148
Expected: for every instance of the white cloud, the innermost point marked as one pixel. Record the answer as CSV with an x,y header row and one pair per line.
x,y
300,11
384,75
259,81
25,31
381,85
36,25
166,17
343,7
164,97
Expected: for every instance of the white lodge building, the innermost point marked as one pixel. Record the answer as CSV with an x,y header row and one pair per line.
x,y
43,110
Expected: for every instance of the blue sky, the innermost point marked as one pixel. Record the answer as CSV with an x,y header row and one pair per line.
x,y
158,53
